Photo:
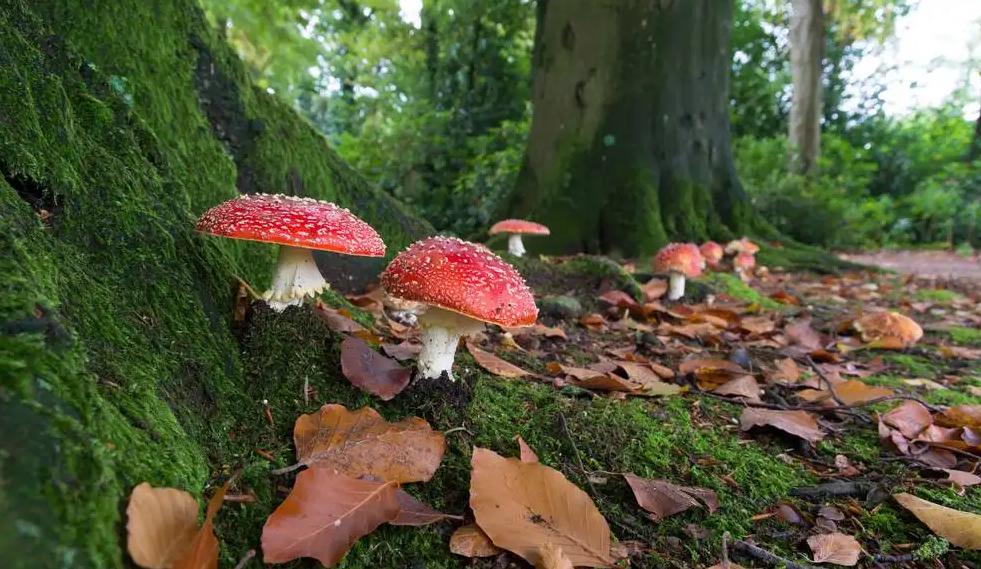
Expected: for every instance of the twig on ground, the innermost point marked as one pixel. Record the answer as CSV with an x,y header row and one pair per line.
x,y
833,489
759,554
457,430
582,467
883,558
245,559
725,550
286,469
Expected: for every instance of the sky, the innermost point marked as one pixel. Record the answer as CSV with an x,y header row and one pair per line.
x,y
927,54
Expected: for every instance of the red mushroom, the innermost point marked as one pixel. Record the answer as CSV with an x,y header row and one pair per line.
x,y
464,285
298,225
680,260
743,264
516,228
712,252
743,245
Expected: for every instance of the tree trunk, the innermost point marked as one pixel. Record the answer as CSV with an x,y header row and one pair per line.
x,y
806,57
630,144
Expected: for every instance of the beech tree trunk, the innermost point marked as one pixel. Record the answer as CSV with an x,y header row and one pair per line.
x,y
806,56
629,144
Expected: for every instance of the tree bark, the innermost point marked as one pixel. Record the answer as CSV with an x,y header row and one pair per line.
x,y
806,57
629,144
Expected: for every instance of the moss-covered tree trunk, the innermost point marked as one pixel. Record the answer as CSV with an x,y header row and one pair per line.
x,y
630,144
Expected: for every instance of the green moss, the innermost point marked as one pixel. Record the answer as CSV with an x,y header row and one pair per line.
x,y
579,276
917,366
736,288
965,336
942,296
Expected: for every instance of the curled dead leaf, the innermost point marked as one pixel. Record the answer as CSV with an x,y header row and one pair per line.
x,y
661,498
836,548
412,512
962,529
494,364
471,541
370,371
160,525
798,423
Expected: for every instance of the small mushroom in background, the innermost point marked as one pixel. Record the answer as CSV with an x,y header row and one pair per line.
x,y
743,265
679,260
890,330
299,226
743,245
516,228
712,252
464,285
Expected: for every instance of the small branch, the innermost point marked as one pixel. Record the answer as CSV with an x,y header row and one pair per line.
x,y
833,489
457,430
287,469
725,550
883,558
245,559
582,467
764,556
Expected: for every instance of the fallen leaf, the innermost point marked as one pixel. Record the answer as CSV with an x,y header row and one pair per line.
x,y
359,443
202,552
961,478
836,548
336,321
711,372
403,351
798,423
526,454
619,299
521,505
160,525
607,382
471,541
581,373
783,297
662,499
855,391
655,288
593,321
800,332
552,557
910,418
743,386
412,512
961,416
786,370
962,529
758,325
372,372
324,515
494,364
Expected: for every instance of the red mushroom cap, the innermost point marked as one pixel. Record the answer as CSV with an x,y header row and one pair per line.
x,y
743,245
462,277
712,252
744,260
681,258
293,221
518,226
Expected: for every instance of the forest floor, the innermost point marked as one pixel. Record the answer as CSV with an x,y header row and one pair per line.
x,y
944,264
749,414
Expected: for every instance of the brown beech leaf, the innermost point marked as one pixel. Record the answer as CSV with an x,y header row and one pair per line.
x,y
526,454
961,416
370,371
836,548
412,512
494,364
856,391
758,324
798,423
552,557
324,515
522,505
608,382
959,528
359,443
911,418
202,552
961,478
403,351
336,320
655,288
593,321
471,541
662,498
619,299
160,523
785,371
801,333
742,386
580,373
711,372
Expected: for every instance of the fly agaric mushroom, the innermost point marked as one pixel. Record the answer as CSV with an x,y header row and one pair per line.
x,y
889,330
680,260
712,252
516,228
298,225
464,285
743,245
743,264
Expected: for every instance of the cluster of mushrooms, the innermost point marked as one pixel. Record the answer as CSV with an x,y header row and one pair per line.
x,y
456,285
687,260
460,285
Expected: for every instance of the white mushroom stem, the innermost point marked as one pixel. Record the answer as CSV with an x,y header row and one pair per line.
x,y
676,286
441,332
297,277
515,246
